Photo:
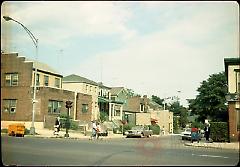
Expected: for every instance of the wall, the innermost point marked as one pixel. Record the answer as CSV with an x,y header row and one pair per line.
x,y
23,93
143,119
232,78
84,99
165,118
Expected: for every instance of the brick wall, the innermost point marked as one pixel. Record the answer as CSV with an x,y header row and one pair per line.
x,y
84,99
233,134
11,63
45,94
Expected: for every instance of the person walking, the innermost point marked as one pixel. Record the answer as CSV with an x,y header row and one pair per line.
x,y
94,130
207,132
98,130
57,126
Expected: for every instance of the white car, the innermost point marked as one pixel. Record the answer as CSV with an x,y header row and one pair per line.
x,y
186,134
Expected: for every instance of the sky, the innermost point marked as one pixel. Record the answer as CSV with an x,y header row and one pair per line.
x,y
161,48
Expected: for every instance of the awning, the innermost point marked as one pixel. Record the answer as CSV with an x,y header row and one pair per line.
x,y
103,100
154,120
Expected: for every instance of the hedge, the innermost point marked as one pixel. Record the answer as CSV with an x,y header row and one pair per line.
x,y
155,128
219,131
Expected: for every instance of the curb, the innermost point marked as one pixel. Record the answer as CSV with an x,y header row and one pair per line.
x,y
209,146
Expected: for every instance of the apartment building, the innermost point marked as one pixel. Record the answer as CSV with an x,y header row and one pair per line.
x,y
17,80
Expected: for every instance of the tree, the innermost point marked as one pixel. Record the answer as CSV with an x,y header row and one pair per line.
x,y
157,100
179,110
210,102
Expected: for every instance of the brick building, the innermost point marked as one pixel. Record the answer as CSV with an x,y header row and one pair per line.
x,y
232,70
17,78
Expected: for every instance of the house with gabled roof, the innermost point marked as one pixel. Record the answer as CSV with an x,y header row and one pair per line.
x,y
79,84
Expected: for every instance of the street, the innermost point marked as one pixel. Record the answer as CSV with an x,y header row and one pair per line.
x,y
165,150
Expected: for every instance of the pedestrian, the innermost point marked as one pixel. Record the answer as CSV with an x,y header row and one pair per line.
x,y
94,130
207,131
98,130
57,125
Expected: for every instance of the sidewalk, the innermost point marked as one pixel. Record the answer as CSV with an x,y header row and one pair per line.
x,y
217,145
46,133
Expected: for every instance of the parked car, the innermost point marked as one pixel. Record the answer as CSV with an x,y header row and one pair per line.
x,y
139,131
186,134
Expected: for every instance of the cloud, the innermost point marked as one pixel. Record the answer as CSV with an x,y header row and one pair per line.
x,y
177,58
59,21
187,43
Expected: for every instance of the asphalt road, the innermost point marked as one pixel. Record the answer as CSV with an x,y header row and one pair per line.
x,y
167,150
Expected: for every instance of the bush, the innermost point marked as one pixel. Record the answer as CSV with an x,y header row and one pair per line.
x,y
155,128
103,116
74,125
126,127
27,131
4,130
197,125
63,122
219,131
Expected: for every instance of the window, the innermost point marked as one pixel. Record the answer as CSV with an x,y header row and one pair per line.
x,y
90,88
54,107
38,80
11,79
141,107
46,80
117,112
57,82
84,108
9,105
86,88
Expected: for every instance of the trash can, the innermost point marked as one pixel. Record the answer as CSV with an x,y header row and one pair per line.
x,y
195,135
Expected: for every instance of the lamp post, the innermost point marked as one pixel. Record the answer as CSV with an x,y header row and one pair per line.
x,y
35,41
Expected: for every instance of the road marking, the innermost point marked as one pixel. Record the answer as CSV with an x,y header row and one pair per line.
x,y
213,156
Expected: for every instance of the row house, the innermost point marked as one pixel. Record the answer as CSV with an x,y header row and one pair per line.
x,y
112,106
17,80
89,89
232,70
53,90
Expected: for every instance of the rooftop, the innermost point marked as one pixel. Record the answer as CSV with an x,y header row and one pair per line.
x,y
77,79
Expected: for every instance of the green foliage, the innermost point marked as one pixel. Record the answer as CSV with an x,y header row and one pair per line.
x,y
179,110
26,131
197,125
4,130
157,100
155,128
103,116
126,127
64,122
74,125
175,124
210,102
219,131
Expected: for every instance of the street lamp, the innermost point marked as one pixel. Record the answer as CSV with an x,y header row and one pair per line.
x,y
35,41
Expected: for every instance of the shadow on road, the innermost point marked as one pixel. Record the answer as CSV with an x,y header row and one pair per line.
x,y
103,159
